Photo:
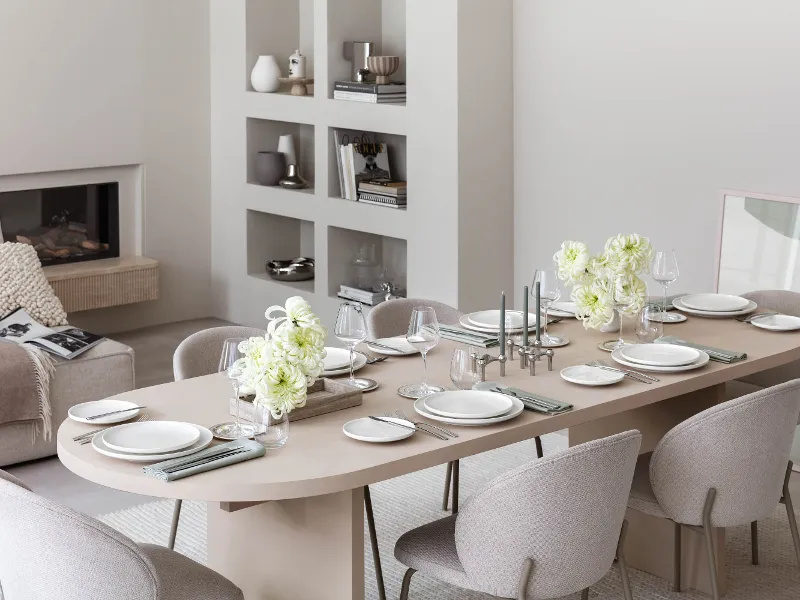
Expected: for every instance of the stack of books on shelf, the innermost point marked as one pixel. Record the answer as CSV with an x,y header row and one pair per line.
x,y
383,192
355,294
391,93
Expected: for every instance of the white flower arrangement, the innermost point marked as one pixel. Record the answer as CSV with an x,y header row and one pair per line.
x,y
604,282
279,367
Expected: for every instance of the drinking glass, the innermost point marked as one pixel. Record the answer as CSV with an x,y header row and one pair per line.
x,y
423,334
665,270
549,292
351,330
270,432
621,307
229,363
648,324
461,372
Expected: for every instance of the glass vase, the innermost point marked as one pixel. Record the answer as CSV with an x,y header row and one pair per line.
x,y
270,432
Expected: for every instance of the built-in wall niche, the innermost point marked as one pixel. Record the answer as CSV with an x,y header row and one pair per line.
x,y
346,245
382,22
278,28
264,135
275,237
395,145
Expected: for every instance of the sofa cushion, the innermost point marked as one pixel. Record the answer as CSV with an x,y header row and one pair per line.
x,y
23,284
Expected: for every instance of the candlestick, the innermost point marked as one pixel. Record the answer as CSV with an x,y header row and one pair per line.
x,y
538,311
525,317
503,323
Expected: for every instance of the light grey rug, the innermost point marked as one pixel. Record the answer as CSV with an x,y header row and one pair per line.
x,y
407,502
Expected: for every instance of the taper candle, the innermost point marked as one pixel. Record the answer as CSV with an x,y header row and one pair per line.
x,y
502,323
538,311
525,317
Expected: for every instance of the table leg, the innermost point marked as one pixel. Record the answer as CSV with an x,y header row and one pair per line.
x,y
302,549
650,539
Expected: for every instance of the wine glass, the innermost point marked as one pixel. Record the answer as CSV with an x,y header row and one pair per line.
x,y
351,330
461,372
549,292
229,363
615,284
423,334
648,324
665,270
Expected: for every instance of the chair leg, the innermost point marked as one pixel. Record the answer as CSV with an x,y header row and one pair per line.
x,y
373,540
787,500
708,532
406,584
623,563
522,586
173,528
585,594
455,486
754,541
676,559
446,497
539,449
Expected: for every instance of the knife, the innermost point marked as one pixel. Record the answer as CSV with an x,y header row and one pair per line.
x,y
114,412
434,434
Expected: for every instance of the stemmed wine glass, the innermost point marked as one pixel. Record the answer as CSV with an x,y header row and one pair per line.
x,y
461,373
621,307
230,365
423,334
549,292
351,330
665,270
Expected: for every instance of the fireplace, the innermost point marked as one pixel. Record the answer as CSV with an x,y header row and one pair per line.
x,y
65,224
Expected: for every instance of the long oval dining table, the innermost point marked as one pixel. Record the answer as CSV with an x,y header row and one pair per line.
x,y
290,525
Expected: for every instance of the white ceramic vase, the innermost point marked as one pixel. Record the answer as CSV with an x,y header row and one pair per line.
x,y
265,73
613,325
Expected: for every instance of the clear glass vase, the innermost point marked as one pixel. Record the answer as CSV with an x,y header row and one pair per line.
x,y
270,432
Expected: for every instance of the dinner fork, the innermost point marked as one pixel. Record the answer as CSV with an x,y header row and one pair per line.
x,y
632,374
87,437
416,427
401,415
750,317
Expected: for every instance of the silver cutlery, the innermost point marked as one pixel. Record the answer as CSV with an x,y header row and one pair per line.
x,y
401,415
85,438
414,428
114,412
188,464
384,346
640,377
527,403
751,317
371,360
540,401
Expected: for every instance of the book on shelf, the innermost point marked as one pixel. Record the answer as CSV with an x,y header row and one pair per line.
x,y
384,187
380,199
370,88
341,139
369,98
67,342
358,295
374,203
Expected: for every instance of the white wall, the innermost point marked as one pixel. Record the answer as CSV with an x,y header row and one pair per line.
x,y
633,116
90,83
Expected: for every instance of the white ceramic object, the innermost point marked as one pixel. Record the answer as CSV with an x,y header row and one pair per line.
x,y
714,302
751,307
468,404
335,359
516,409
777,322
672,317
591,376
467,324
370,430
399,344
80,412
203,441
613,325
265,74
297,65
358,363
151,437
700,362
565,310
659,355
286,147
490,319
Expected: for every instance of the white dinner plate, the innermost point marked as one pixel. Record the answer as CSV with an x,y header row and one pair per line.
x,y
358,362
370,430
467,324
335,358
700,362
490,319
777,322
714,302
80,412
400,345
659,355
591,376
468,404
678,303
516,408
203,441
672,317
565,310
151,437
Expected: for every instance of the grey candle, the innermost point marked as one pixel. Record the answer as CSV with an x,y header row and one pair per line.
x,y
538,311
525,317
502,323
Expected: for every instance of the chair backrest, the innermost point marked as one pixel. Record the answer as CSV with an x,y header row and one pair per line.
x,y
198,354
564,512
391,318
740,448
50,551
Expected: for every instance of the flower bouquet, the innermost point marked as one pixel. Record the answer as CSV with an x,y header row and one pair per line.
x,y
608,281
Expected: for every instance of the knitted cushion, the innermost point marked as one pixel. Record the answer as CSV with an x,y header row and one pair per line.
x,y
23,284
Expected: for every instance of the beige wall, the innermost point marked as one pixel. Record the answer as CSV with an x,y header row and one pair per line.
x,y
89,83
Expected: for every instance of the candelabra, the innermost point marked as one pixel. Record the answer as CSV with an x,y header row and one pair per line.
x,y
530,355
481,361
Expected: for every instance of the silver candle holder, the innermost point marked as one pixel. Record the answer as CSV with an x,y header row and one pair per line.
x,y
481,361
531,354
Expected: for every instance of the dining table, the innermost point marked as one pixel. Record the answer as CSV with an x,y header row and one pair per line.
x,y
290,525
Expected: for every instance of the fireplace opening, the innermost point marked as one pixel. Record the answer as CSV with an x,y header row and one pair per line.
x,y
64,224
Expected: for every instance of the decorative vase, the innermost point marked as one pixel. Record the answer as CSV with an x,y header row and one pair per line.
x,y
297,65
286,147
270,167
613,325
270,432
293,181
265,74
383,67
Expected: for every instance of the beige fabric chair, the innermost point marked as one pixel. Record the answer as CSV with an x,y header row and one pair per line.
x,y
198,354
723,467
544,530
50,552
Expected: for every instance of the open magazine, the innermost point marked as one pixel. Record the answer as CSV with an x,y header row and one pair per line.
x,y
67,342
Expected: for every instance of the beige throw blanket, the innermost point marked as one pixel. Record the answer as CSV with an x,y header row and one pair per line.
x,y
25,373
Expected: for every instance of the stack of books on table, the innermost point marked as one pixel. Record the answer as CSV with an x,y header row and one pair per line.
x,y
383,192
391,93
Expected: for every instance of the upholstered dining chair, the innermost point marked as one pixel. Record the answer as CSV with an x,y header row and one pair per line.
x,y
544,530
723,467
50,551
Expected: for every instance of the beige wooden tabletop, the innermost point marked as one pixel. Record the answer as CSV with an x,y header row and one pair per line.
x,y
320,459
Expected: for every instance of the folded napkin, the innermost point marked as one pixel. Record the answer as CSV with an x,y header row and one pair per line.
x,y
717,354
466,336
558,406
206,460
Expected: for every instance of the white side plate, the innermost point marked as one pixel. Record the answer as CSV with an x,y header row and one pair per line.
x,y
335,358
359,361
591,376
80,412
151,437
203,441
516,410
659,355
564,310
370,430
777,322
468,404
701,362
751,307
490,319
467,324
714,302
399,344
672,317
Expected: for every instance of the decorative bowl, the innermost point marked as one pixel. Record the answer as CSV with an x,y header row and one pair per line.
x,y
298,269
383,67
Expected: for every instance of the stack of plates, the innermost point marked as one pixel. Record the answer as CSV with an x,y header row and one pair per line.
x,y
664,358
488,321
152,441
468,407
714,305
337,362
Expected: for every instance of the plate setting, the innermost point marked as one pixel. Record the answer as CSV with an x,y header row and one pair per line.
x,y
378,432
490,319
777,322
714,302
659,355
750,307
591,376
358,363
700,362
395,346
151,437
204,439
81,412
516,409
468,404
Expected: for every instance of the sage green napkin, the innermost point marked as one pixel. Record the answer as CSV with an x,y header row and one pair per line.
x,y
206,460
558,406
716,354
658,301
466,336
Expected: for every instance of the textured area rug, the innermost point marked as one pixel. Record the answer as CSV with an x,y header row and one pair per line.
x,y
407,502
